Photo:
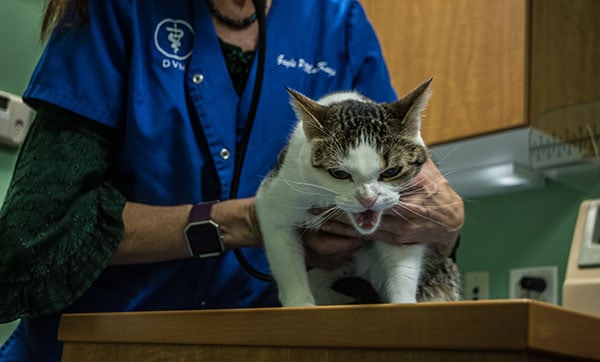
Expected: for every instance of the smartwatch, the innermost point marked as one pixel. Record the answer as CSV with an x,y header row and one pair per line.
x,y
203,234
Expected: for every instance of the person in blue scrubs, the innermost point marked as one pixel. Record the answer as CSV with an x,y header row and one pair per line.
x,y
141,107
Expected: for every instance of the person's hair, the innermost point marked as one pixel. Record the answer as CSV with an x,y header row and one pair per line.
x,y
63,14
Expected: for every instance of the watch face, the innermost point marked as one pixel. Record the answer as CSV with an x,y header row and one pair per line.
x,y
204,239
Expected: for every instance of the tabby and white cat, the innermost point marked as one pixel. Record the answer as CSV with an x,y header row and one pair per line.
x,y
349,154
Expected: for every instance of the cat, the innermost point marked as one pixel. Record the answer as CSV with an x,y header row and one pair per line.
x,y
350,154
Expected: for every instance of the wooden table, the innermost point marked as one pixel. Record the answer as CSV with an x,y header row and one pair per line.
x,y
515,330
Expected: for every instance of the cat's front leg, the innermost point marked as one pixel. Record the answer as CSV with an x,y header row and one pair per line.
x,y
285,251
402,266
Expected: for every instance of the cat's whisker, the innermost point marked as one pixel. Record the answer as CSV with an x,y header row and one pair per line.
x,y
325,216
293,185
448,154
419,188
416,213
429,207
424,182
412,209
409,193
292,207
398,213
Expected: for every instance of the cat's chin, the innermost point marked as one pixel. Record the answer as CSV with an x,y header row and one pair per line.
x,y
366,222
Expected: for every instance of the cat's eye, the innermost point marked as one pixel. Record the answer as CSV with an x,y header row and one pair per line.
x,y
339,174
391,172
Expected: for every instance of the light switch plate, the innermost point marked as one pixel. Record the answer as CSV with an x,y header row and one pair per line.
x,y
477,285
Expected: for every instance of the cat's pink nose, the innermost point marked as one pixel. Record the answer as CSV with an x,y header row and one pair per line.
x,y
367,200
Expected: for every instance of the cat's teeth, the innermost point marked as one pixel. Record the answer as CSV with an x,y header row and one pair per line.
x,y
367,220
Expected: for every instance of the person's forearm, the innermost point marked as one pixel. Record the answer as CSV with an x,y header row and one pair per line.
x,y
152,234
156,233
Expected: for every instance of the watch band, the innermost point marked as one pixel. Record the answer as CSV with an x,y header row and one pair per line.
x,y
201,212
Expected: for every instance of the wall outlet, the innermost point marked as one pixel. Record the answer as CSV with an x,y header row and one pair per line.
x,y
477,285
547,274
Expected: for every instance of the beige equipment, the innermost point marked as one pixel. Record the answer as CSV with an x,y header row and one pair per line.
x,y
581,290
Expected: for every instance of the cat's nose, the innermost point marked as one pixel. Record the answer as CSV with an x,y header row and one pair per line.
x,y
367,200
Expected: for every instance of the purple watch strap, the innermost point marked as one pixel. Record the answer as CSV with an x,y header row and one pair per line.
x,y
201,212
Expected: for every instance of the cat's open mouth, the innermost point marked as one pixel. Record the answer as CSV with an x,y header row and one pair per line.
x,y
367,221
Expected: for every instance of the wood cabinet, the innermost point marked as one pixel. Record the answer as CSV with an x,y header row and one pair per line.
x,y
496,64
515,330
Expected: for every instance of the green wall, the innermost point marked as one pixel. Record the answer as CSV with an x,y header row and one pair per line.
x,y
19,36
522,229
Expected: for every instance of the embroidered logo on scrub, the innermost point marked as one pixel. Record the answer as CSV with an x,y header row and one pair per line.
x,y
306,66
174,39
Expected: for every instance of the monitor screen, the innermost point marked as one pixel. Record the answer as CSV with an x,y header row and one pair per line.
x,y
4,103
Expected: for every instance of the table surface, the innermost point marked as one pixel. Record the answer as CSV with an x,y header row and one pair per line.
x,y
502,325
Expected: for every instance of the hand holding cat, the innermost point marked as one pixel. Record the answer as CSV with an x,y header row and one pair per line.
x,y
431,212
327,250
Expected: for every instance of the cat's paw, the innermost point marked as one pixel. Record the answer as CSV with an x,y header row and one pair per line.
x,y
403,299
298,301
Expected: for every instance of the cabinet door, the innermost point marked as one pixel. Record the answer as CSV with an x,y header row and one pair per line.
x,y
564,58
474,49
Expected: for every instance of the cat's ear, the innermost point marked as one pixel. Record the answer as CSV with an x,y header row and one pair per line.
x,y
410,107
310,112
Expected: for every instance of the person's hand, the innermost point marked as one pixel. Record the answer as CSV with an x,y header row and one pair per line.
x,y
238,222
327,250
430,212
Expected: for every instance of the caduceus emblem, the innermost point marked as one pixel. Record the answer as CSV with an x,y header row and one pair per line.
x,y
175,36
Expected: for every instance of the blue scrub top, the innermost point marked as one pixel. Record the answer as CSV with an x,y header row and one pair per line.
x,y
155,70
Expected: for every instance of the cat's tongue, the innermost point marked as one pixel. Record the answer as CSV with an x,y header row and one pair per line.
x,y
367,220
